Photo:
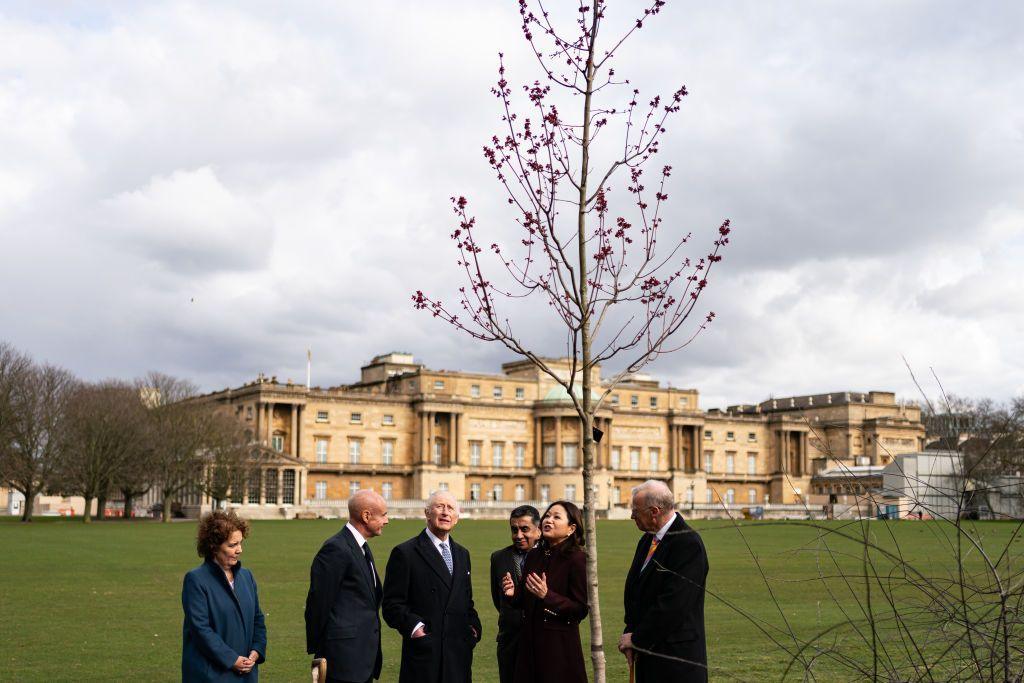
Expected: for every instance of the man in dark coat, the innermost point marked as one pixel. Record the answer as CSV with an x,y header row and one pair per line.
x,y
342,620
664,594
525,525
428,599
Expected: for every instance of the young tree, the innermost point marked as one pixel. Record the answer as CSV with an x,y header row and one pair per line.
x,y
32,403
617,288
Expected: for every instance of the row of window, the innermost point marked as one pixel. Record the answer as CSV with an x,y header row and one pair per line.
x,y
653,458
570,453
268,484
497,453
474,390
355,451
634,401
320,490
729,499
497,492
730,436
323,416
730,462
498,392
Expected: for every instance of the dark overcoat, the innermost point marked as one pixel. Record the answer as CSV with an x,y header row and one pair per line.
x,y
510,617
342,618
418,588
665,606
220,624
549,643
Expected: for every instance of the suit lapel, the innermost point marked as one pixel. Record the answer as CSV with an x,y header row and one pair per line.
x,y
222,579
458,571
359,556
429,552
678,526
638,558
510,561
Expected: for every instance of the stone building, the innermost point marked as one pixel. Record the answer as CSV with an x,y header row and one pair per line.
x,y
406,430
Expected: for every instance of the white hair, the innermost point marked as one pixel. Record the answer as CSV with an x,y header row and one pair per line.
x,y
655,493
438,494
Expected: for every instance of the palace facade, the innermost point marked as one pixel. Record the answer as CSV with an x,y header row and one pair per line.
x,y
406,430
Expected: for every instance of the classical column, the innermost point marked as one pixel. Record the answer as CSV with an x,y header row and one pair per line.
x,y
606,441
270,423
294,435
558,439
579,446
805,453
423,437
431,436
263,487
538,442
673,456
280,485
601,449
258,433
453,438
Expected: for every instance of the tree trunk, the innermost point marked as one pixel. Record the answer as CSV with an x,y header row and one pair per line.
x,y
87,515
128,498
30,496
597,657
167,508
101,506
590,525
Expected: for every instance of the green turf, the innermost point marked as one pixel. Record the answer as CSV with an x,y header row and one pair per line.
x,y
102,601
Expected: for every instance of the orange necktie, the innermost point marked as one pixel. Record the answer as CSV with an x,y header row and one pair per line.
x,y
650,551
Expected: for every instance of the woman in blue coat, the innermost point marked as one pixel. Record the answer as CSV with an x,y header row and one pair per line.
x,y
224,637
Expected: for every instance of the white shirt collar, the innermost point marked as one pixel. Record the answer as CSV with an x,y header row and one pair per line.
x,y
437,541
664,530
355,532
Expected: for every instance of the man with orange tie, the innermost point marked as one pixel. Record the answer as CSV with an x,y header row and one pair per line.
x,y
664,595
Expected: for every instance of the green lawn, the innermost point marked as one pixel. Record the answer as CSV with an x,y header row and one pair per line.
x,y
102,602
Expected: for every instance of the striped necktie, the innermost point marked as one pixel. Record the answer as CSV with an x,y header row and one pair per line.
x,y
650,552
517,566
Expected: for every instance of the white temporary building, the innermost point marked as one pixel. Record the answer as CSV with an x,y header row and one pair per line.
x,y
934,484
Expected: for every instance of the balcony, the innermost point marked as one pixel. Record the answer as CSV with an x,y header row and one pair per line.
x,y
359,468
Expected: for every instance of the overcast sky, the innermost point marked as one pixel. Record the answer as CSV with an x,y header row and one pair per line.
x,y
209,189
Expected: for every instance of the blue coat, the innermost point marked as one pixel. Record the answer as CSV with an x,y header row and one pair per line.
x,y
220,625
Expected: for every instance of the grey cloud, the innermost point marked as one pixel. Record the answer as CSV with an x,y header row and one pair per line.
x,y
212,190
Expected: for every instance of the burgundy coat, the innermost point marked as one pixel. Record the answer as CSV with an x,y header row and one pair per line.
x,y
549,643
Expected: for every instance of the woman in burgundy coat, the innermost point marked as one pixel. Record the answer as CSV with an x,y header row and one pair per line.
x,y
553,597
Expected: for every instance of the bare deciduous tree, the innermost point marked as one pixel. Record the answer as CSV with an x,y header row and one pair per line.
x,y
104,431
180,430
32,403
229,458
618,286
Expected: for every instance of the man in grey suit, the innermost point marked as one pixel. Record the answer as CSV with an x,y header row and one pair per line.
x,y
524,523
342,619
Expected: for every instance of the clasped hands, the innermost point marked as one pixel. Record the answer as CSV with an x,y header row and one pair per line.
x,y
536,584
244,665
